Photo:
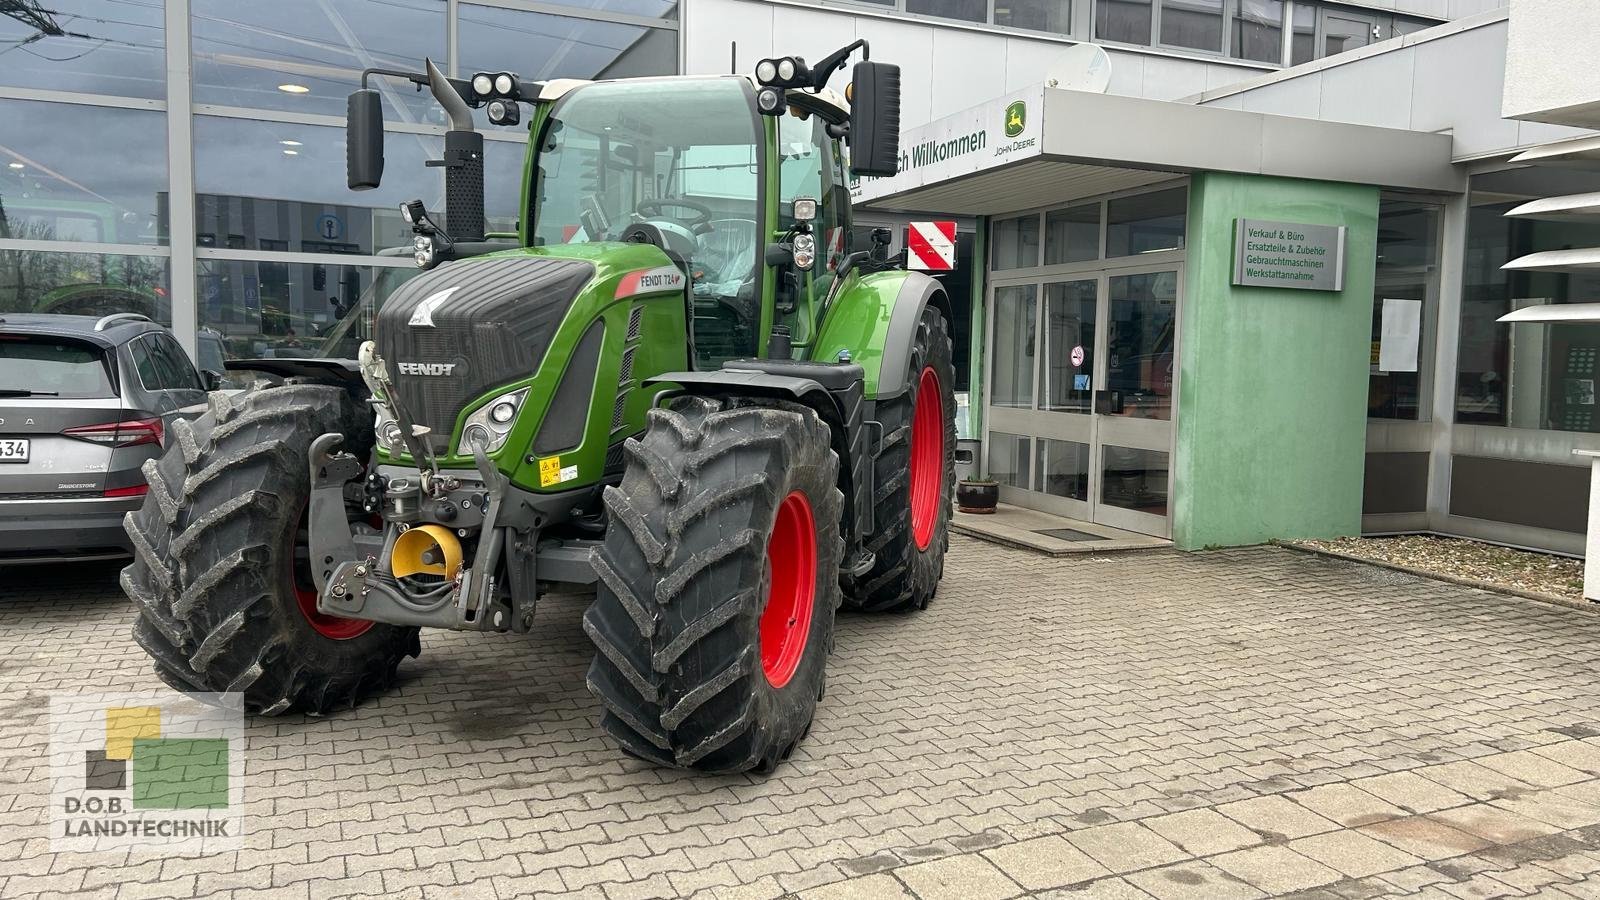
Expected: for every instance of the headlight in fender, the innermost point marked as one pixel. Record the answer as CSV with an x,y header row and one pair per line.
x,y
490,424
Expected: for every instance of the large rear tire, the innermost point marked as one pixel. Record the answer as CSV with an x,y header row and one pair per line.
x,y
915,476
719,578
225,602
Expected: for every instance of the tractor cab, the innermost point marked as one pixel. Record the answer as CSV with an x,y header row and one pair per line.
x,y
690,166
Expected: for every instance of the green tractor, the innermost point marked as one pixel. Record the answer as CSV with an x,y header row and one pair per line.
x,y
678,384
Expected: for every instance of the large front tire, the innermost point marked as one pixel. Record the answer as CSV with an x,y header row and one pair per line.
x,y
224,604
915,476
719,578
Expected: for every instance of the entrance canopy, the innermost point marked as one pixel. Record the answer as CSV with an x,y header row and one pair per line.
x,y
1041,146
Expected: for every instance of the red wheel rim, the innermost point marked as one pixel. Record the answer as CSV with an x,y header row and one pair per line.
x,y
335,628
927,458
792,564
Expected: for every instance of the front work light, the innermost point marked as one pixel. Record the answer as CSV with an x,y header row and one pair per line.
x,y
504,112
805,251
505,84
483,84
770,101
413,211
423,251
805,209
766,71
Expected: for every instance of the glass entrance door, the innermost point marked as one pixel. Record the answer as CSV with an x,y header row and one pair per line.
x,y
1080,394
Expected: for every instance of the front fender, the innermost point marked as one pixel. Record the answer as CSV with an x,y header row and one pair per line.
x,y
874,318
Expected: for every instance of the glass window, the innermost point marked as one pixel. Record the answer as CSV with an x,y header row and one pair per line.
x,y
144,364
1196,24
1303,42
539,47
1069,320
48,365
1128,21
655,9
1139,344
1407,269
965,10
675,155
1063,468
307,55
1146,223
261,309
1008,458
294,196
81,173
84,284
1014,341
91,46
1257,30
1016,243
177,372
1134,479
1341,32
1531,375
1038,15
1072,234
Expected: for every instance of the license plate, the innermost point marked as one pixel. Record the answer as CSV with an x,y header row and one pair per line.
x,y
13,450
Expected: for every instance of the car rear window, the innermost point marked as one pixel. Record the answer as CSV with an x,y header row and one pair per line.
x,y
52,366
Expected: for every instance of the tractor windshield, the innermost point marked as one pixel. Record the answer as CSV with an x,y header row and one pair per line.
x,y
678,156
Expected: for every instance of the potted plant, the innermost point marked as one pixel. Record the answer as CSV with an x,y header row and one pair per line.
x,y
978,494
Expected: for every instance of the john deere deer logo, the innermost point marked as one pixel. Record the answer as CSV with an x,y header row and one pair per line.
x,y
1016,118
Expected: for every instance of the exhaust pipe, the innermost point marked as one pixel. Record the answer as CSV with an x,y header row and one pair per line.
x,y
463,162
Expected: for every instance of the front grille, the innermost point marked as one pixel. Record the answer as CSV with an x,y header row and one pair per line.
x,y
494,327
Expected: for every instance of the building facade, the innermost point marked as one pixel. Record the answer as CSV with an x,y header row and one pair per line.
x,y
1111,369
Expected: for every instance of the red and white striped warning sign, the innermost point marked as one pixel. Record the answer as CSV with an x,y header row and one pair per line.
x,y
932,246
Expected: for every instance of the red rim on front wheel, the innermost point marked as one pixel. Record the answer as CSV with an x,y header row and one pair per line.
x,y
335,628
792,560
927,458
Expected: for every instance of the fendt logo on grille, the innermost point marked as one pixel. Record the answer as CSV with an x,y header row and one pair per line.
x,y
416,368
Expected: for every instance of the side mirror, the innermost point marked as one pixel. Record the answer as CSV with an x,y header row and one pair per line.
x,y
875,119
363,140
211,379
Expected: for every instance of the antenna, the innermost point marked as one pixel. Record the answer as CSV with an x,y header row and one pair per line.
x,y
733,60
1085,67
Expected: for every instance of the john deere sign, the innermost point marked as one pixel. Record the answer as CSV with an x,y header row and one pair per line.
x,y
982,137
1016,119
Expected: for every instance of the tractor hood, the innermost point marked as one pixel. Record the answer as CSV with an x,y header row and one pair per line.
x,y
453,333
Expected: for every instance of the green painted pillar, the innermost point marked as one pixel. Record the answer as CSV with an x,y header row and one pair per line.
x,y
1272,405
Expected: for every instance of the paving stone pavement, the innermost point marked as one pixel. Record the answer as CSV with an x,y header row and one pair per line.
x,y
1213,725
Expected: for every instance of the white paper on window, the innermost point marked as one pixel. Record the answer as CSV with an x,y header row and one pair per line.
x,y
1401,335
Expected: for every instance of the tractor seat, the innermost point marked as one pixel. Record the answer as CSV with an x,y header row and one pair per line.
x,y
726,256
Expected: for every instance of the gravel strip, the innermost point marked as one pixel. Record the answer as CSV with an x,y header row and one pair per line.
x,y
1524,570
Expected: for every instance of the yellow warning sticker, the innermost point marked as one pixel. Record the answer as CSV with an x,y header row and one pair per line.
x,y
549,471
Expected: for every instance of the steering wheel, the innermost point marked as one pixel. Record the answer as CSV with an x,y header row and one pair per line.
x,y
653,208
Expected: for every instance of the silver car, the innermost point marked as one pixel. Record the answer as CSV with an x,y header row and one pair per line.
x,y
83,403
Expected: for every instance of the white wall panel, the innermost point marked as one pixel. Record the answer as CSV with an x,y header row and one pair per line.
x,y
1457,88
1374,91
1296,97
711,24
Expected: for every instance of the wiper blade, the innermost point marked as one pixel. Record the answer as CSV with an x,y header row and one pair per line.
x,y
24,392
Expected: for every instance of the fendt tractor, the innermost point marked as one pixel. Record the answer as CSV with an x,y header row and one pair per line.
x,y
677,382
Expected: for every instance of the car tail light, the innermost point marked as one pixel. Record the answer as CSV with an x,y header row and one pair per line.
x,y
120,434
138,490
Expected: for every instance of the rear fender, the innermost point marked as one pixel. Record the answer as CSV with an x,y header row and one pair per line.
x,y
874,319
